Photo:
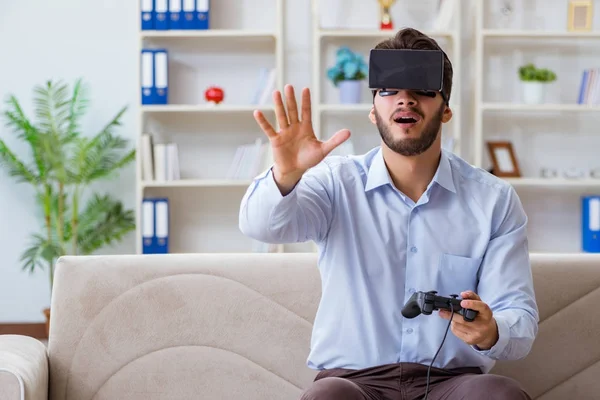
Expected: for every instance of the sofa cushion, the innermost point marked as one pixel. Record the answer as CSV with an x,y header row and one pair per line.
x,y
566,354
137,326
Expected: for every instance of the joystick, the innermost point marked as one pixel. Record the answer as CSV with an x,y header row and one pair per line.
x,y
427,302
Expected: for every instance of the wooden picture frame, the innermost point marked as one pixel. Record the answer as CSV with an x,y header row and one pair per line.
x,y
580,16
504,161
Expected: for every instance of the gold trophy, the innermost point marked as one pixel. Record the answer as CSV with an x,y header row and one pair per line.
x,y
386,18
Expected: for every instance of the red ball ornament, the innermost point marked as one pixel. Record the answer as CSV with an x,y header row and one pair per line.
x,y
214,94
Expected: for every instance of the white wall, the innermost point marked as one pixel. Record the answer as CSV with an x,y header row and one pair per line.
x,y
99,42
66,39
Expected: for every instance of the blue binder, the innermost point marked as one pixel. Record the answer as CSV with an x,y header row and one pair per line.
x,y
155,226
175,14
189,18
590,224
161,76
147,221
202,14
161,15
147,14
161,220
147,77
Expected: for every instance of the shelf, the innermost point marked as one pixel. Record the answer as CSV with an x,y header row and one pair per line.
x,y
202,108
524,34
209,33
198,183
554,183
540,107
344,108
561,256
366,33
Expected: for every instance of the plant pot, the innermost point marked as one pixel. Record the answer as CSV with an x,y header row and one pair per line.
x,y
534,92
47,314
350,92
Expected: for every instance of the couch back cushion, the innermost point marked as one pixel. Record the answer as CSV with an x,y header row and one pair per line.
x,y
193,326
239,326
564,362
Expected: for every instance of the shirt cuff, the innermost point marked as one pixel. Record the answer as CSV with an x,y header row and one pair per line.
x,y
503,339
272,192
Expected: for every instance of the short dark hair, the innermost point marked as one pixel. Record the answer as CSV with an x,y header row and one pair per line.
x,y
410,38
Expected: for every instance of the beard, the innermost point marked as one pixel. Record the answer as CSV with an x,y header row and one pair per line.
x,y
411,146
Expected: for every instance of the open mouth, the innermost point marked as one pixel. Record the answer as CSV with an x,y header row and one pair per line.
x,y
405,120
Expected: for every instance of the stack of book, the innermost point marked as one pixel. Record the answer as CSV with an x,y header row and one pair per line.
x,y
264,86
250,160
160,161
589,91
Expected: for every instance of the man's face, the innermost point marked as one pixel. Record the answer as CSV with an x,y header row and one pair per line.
x,y
409,121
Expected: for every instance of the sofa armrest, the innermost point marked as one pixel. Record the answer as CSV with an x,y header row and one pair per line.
x,y
23,368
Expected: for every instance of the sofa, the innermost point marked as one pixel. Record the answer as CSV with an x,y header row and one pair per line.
x,y
238,326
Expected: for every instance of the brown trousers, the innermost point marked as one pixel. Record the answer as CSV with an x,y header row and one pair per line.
x,y
408,381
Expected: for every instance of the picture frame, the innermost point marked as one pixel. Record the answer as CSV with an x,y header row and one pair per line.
x,y
580,15
504,161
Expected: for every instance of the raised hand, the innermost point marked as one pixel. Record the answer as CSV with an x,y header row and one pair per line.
x,y
295,146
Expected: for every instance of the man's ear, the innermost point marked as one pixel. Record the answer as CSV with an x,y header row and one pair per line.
x,y
372,116
447,115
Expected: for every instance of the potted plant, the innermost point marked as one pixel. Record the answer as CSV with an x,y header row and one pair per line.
x,y
63,165
347,73
534,82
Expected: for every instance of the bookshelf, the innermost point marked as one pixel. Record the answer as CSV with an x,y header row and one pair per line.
x,y
558,134
204,201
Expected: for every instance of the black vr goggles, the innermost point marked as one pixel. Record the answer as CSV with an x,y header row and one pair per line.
x,y
417,70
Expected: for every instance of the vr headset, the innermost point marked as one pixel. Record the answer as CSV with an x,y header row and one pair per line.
x,y
417,70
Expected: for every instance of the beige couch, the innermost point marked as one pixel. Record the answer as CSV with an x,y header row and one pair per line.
x,y
238,327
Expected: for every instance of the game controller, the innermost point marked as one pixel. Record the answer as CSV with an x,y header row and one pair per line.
x,y
427,302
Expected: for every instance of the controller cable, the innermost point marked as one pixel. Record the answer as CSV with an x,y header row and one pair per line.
x,y
438,350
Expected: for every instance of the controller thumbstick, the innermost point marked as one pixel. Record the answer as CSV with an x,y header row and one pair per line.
x,y
454,296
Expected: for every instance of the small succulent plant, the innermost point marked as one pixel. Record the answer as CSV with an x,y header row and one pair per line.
x,y
349,66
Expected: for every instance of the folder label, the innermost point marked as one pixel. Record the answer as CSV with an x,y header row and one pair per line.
x,y
594,217
162,225
202,5
175,6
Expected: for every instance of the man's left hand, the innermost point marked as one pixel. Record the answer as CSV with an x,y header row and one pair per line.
x,y
483,331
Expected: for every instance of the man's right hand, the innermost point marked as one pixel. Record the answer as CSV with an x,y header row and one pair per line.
x,y
295,147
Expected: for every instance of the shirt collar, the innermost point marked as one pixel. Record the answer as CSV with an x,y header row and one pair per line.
x,y
378,174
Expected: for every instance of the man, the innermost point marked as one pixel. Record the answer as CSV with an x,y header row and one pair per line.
x,y
406,216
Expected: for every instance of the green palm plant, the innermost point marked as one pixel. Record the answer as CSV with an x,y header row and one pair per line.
x,y
63,163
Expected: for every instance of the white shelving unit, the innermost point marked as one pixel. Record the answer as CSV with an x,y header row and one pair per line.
x,y
204,203
558,134
329,115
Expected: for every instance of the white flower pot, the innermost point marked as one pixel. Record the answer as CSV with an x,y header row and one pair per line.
x,y
534,92
350,92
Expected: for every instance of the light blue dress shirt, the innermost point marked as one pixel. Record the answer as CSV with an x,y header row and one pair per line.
x,y
377,247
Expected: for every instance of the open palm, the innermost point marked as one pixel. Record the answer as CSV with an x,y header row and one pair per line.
x,y
295,147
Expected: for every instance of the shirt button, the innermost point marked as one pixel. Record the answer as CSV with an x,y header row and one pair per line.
x,y
411,290
409,330
413,249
